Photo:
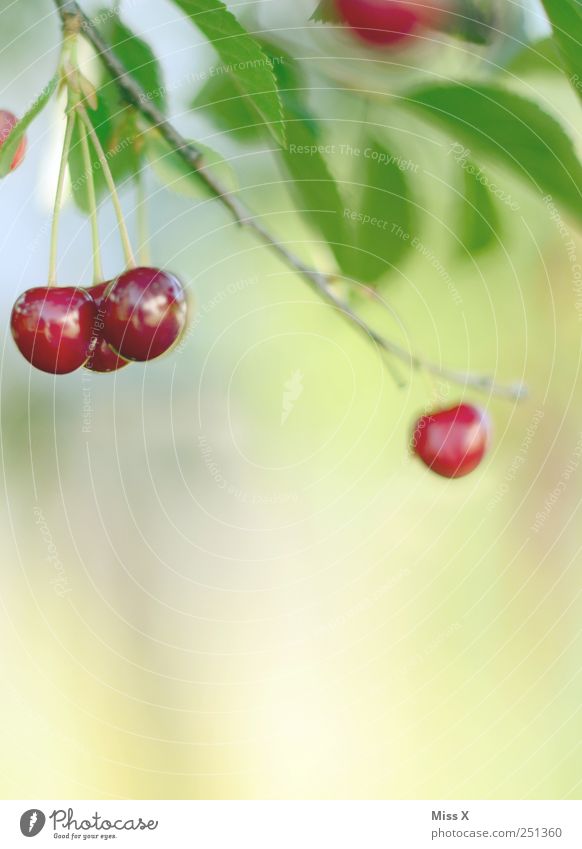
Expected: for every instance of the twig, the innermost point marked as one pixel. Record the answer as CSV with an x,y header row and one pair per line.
x,y
321,282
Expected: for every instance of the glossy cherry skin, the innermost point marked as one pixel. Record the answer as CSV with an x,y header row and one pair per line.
x,y
102,358
145,313
7,122
385,22
52,327
452,442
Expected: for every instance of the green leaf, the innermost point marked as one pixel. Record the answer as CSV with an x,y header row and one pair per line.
x,y
179,177
317,192
100,119
566,19
475,21
137,57
233,112
326,13
115,122
384,219
12,141
477,217
249,66
540,56
230,110
512,130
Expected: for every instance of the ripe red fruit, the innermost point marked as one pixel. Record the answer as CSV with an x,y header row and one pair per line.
x,y
386,21
52,327
452,442
102,358
7,122
145,313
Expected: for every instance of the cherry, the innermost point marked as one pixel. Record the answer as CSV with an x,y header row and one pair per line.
x,y
386,21
452,442
52,327
145,313
102,358
7,122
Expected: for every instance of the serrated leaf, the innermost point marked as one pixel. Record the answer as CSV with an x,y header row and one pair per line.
x,y
233,112
566,19
12,141
478,219
384,219
174,173
138,58
512,130
243,57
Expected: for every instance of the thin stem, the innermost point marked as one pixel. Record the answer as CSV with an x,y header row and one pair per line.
x,y
322,283
54,246
143,231
90,177
124,235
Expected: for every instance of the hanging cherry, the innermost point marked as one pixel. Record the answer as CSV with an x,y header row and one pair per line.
x,y
385,22
145,313
452,442
52,327
103,358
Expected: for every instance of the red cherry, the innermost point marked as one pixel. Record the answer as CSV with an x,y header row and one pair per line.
x,y
145,313
7,122
386,21
52,327
452,442
102,358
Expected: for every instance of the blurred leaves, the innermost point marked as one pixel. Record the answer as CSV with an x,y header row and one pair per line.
x,y
478,220
12,141
512,130
385,217
116,123
178,176
475,21
243,58
566,19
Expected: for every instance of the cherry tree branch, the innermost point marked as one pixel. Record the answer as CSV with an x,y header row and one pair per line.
x,y
73,18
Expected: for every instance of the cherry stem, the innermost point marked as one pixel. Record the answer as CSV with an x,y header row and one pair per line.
x,y
143,248
52,273
123,232
320,281
90,177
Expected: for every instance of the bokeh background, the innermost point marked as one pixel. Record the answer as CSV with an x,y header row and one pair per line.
x,y
223,575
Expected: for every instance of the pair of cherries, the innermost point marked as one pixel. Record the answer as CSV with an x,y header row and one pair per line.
x,y
134,318
385,22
